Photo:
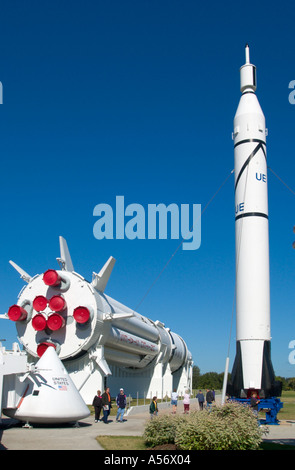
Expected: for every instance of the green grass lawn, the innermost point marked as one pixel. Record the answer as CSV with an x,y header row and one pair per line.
x,y
137,443
121,442
288,410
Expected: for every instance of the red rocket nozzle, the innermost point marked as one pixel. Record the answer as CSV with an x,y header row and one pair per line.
x,y
40,303
51,278
17,313
39,322
41,348
57,303
81,315
55,322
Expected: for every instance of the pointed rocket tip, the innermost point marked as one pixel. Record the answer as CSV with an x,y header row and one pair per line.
x,y
247,53
247,73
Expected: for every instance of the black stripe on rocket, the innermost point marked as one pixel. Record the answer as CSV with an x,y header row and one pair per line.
x,y
253,153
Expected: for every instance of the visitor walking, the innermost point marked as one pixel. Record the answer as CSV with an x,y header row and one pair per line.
x,y
201,399
121,404
186,401
209,399
174,398
97,403
153,408
106,404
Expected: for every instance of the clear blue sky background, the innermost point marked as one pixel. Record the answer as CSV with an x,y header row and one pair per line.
x,y
137,98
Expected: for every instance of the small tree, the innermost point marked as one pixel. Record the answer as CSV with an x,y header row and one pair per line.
x,y
196,376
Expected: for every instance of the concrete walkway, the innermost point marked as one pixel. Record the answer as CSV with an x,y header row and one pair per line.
x,y
67,437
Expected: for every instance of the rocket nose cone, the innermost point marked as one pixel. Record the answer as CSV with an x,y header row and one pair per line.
x,y
54,397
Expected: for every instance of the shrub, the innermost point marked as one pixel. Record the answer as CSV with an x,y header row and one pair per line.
x,y
230,427
161,430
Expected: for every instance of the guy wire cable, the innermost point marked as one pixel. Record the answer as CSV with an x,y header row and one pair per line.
x,y
182,240
280,179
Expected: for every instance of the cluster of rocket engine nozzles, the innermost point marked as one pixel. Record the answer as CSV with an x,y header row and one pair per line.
x,y
49,314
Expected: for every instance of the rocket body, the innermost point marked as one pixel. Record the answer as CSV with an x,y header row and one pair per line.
x,y
251,226
252,368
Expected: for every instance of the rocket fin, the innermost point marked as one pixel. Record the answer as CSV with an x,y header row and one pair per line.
x,y
98,356
103,365
267,386
65,260
25,276
100,280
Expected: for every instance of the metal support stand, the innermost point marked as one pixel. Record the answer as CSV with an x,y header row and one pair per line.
x,y
271,406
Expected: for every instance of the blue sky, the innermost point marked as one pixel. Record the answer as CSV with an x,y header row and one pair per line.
x,y
137,98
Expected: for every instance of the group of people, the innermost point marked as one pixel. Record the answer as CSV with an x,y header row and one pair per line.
x,y
102,402
174,400
186,401
209,400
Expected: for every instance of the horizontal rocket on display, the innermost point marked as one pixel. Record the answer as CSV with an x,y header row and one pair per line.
x,y
95,336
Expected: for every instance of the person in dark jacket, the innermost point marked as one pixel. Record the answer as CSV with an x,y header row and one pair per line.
x,y
209,399
201,399
106,404
97,403
121,404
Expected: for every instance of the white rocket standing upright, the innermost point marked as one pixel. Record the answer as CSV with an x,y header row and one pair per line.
x,y
252,368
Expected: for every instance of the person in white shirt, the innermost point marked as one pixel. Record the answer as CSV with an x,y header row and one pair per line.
x,y
174,398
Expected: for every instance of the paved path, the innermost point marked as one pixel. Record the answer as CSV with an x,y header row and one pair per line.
x,y
66,437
